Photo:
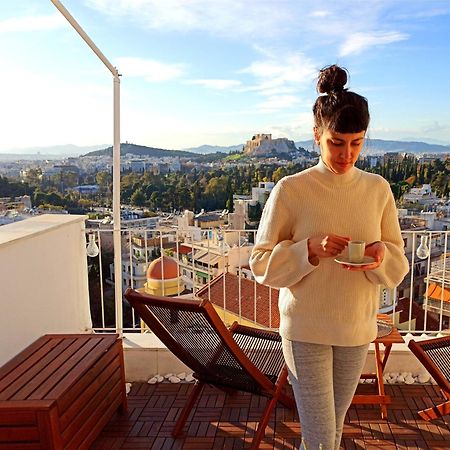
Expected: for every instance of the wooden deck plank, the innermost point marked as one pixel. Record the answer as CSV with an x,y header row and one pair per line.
x,y
220,421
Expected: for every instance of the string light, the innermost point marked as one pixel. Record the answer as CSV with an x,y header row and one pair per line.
x,y
423,250
92,248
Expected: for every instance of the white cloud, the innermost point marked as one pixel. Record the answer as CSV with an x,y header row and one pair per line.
x,y
320,13
288,68
277,102
424,13
279,79
225,17
298,128
357,42
149,69
219,84
312,22
32,23
435,127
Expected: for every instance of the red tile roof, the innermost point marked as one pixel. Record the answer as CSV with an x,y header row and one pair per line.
x,y
266,298
184,249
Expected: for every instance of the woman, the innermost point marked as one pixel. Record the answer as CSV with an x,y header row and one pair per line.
x,y
327,310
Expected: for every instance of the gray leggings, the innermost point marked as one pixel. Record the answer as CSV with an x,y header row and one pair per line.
x,y
324,379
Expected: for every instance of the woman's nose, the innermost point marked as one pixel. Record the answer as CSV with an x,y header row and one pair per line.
x,y
346,152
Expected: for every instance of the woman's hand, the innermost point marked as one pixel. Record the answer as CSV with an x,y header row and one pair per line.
x,y
376,251
327,246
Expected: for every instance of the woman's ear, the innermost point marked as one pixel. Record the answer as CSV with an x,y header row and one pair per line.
x,y
316,135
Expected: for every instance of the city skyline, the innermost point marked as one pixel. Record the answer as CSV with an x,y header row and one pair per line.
x,y
216,73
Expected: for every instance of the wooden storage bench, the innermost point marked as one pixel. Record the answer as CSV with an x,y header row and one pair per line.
x,y
60,391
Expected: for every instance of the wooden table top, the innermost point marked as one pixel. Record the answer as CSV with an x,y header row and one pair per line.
x,y
51,364
394,337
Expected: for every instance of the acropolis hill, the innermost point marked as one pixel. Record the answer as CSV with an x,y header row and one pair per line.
x,y
263,144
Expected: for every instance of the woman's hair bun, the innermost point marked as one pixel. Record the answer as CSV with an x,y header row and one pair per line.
x,y
331,79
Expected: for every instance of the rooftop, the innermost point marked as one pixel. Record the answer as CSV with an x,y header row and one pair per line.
x,y
245,298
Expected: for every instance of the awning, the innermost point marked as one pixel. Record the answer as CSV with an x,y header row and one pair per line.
x,y
209,258
198,254
435,292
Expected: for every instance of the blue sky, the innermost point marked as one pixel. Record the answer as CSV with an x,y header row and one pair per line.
x,y
216,72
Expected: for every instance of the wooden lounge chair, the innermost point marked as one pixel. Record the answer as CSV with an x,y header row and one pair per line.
x,y
434,354
240,358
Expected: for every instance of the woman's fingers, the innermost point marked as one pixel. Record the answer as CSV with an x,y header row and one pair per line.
x,y
336,244
327,246
341,240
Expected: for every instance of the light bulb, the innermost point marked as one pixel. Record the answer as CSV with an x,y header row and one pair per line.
x,y
422,250
92,248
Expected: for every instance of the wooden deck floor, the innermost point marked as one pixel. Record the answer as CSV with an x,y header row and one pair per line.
x,y
221,421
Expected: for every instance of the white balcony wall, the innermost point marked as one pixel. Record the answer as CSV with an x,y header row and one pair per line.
x,y
43,279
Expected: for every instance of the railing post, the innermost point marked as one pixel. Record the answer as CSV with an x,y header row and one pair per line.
x,y
116,209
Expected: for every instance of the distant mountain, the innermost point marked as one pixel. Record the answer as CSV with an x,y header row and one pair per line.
x,y
376,146
142,150
373,146
206,149
11,157
427,140
307,145
55,150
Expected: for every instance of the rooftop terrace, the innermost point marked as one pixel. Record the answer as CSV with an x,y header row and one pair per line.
x,y
44,280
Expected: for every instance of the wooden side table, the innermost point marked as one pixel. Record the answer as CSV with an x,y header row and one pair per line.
x,y
381,358
60,391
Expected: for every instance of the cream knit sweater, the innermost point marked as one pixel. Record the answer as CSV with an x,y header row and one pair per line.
x,y
326,304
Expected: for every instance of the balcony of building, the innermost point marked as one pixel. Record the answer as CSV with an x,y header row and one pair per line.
x,y
49,285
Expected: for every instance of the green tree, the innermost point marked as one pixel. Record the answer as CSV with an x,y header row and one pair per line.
x,y
254,212
439,183
138,198
34,176
103,179
278,174
154,202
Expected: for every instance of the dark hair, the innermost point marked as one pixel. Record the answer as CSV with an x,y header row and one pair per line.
x,y
339,110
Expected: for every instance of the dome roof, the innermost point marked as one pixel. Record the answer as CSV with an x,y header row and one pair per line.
x,y
155,269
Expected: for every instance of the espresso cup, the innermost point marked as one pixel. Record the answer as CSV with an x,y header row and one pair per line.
x,y
356,251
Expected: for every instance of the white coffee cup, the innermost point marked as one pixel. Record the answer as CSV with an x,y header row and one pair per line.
x,y
356,251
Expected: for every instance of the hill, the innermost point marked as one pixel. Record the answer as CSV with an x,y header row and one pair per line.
x,y
142,150
378,146
206,149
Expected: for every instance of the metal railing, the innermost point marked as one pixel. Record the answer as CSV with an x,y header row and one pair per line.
x,y
203,262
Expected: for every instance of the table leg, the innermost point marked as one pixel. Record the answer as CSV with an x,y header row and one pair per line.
x,y
387,351
380,365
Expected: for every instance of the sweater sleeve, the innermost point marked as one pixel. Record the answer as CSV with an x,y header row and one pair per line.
x,y
277,260
394,266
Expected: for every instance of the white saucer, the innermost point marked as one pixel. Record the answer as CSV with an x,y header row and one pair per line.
x,y
344,260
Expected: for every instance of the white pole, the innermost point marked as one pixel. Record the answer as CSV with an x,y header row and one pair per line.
x,y
116,164
116,209
83,34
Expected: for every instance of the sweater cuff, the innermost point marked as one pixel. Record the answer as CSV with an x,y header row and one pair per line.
x,y
376,275
300,249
